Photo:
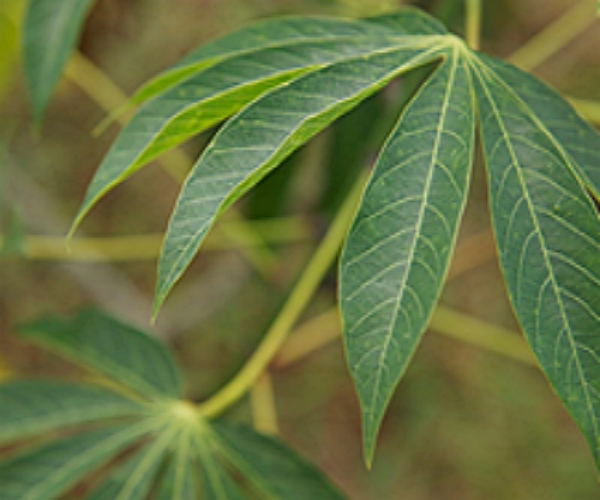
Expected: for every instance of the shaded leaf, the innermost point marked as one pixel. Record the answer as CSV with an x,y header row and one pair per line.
x,y
274,471
255,141
133,479
207,97
50,32
117,351
45,472
547,231
179,481
31,407
398,249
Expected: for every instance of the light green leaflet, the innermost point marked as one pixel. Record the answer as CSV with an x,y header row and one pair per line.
x,y
548,234
399,246
50,33
236,75
162,444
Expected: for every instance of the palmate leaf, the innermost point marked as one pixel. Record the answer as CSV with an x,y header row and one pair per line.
x,y
172,452
50,32
548,232
117,351
256,140
399,246
189,104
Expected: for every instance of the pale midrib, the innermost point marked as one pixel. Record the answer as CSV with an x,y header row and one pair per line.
x,y
418,225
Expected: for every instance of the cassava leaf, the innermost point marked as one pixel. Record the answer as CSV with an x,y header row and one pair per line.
x,y
44,472
273,471
547,231
207,97
115,350
31,407
50,32
398,249
256,140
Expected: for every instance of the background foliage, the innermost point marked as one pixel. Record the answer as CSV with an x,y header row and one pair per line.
x,y
458,428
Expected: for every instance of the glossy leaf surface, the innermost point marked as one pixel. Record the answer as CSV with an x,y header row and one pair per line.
x,y
399,246
115,350
50,32
548,234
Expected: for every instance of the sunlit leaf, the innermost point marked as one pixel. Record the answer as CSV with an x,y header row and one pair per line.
x,y
31,407
206,97
399,246
547,231
50,32
255,141
115,350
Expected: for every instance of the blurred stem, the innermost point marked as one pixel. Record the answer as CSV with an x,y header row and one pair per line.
x,y
293,307
555,36
262,399
228,235
326,328
100,88
473,23
588,109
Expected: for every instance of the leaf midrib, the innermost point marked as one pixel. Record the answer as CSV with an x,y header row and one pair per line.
x,y
394,317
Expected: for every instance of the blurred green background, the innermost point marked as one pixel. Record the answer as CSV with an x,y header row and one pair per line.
x,y
465,423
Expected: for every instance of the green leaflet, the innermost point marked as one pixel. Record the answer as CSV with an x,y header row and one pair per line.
x,y
398,249
272,471
256,140
286,32
548,234
115,350
45,472
179,481
133,480
50,33
207,97
31,407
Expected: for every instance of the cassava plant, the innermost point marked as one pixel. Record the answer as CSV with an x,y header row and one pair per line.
x,y
276,84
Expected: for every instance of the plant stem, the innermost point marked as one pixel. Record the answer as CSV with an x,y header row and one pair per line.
x,y
264,412
147,246
481,334
554,37
295,304
473,23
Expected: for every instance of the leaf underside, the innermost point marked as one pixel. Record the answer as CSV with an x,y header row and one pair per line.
x,y
398,249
